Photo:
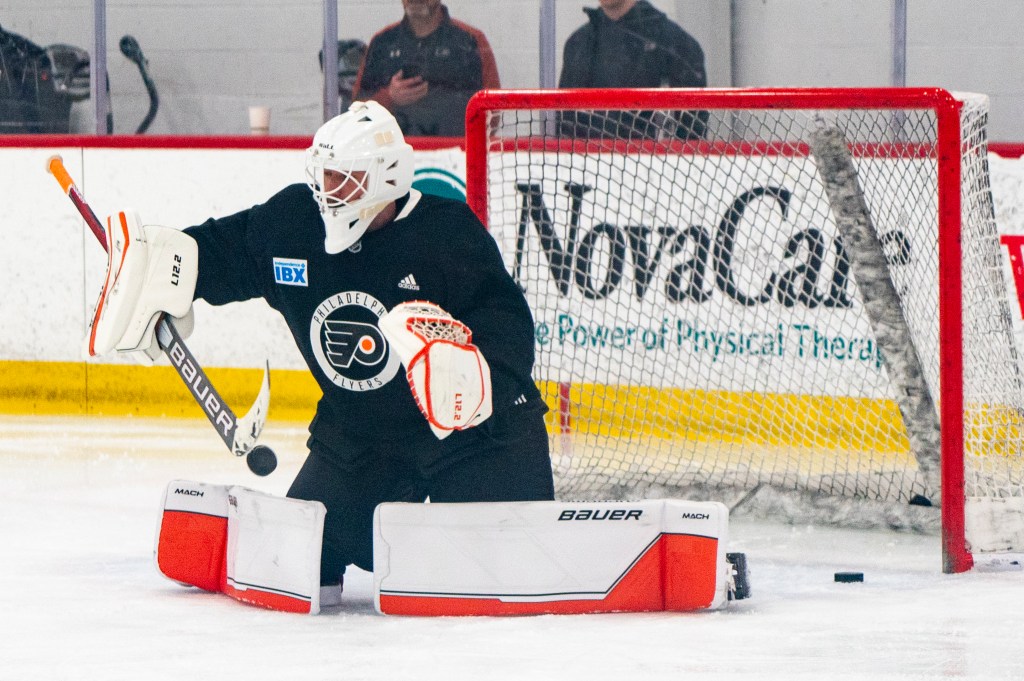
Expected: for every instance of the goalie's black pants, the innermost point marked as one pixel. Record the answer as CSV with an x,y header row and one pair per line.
x,y
508,461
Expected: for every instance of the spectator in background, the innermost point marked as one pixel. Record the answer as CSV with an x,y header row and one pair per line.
x,y
629,43
350,59
425,68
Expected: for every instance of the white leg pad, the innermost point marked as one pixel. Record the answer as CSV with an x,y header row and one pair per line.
x,y
273,550
257,548
550,557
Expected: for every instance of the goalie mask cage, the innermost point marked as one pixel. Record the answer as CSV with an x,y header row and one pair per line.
x,y
746,290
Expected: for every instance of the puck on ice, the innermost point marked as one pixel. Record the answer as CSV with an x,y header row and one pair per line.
x,y
847,577
262,460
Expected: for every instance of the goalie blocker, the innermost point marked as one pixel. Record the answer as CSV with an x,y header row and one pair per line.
x,y
151,270
513,558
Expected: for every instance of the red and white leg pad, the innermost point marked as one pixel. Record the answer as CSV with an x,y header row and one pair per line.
x,y
192,538
255,547
550,557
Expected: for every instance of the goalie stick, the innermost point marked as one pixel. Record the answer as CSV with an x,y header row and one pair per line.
x,y
239,434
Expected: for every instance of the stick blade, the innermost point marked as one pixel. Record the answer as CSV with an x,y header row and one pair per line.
x,y
251,425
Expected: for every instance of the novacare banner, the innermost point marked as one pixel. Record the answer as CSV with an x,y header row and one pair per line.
x,y
711,272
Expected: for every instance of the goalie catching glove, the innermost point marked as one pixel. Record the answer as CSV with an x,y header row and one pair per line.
x,y
448,375
150,271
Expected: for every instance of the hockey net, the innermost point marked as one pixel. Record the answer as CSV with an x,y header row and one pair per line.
x,y
749,290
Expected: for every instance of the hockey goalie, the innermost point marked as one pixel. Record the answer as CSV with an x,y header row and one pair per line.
x,y
372,277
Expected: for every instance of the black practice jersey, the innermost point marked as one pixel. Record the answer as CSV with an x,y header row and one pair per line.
x,y
435,250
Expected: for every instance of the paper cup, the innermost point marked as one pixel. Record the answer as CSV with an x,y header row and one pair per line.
x,y
259,120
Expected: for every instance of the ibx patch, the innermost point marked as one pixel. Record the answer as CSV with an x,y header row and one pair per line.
x,y
290,272
348,346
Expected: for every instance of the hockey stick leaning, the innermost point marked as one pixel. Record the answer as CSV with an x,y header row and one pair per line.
x,y
239,435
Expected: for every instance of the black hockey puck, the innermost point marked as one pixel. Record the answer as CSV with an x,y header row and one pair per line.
x,y
262,460
847,577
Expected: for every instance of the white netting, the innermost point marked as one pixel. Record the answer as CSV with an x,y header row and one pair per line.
x,y
430,323
440,329
697,320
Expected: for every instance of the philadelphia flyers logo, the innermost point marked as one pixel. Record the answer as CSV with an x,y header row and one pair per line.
x,y
347,344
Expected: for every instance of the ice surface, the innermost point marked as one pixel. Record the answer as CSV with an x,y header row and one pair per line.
x,y
81,598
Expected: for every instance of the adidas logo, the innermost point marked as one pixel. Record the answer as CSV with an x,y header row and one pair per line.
x,y
520,400
409,282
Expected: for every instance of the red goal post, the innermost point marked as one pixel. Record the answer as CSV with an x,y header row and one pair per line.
x,y
707,321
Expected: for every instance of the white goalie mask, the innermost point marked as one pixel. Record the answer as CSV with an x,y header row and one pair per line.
x,y
366,148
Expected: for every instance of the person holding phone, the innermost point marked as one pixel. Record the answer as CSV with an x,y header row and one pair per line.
x,y
425,68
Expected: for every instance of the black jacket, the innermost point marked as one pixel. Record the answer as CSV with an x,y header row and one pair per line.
x,y
643,49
